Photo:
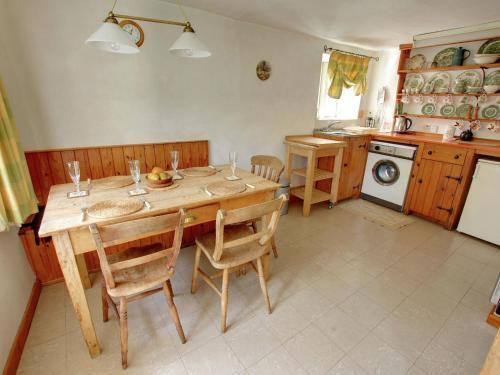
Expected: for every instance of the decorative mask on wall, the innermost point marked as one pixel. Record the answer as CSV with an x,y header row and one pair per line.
x,y
263,70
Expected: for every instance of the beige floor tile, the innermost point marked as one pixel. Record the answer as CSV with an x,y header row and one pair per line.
x,y
309,303
315,352
464,265
486,281
414,370
278,362
353,276
286,321
46,327
252,340
347,366
399,280
477,301
341,328
367,313
434,299
478,251
383,293
47,358
377,357
215,357
333,288
436,360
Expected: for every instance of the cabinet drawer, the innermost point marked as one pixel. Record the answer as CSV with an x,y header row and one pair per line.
x,y
445,154
199,215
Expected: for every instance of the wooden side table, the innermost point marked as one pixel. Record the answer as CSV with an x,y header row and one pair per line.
x,y
313,148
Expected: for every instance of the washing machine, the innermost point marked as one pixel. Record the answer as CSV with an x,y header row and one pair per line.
x,y
387,173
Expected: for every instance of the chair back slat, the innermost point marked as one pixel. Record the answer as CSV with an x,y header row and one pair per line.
x,y
259,211
267,166
113,234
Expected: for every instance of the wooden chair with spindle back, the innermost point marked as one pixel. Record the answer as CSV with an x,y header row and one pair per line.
x,y
132,274
271,168
234,246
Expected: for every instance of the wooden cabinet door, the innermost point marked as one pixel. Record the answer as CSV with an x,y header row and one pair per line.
x,y
436,186
357,163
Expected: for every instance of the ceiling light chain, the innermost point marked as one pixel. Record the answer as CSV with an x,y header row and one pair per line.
x,y
182,10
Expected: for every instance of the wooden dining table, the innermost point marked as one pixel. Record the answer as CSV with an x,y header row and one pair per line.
x,y
62,220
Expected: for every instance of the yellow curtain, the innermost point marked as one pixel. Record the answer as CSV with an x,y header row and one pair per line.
x,y
17,198
347,71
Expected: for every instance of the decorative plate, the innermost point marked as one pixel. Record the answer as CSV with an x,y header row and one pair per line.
x,y
414,81
445,57
416,62
263,70
440,81
490,46
447,110
428,109
493,78
490,111
428,87
470,78
463,110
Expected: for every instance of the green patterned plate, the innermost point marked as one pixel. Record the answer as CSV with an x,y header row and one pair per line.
x,y
440,81
428,109
490,46
463,110
492,78
445,57
414,81
470,78
447,110
490,111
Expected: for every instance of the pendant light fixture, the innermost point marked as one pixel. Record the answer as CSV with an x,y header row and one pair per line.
x,y
111,37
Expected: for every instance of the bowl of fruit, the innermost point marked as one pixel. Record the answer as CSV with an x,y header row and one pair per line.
x,y
158,178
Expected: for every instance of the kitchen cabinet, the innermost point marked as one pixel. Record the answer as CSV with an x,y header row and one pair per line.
x,y
439,183
353,167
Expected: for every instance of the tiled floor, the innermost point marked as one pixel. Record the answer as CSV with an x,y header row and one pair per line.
x,y
349,297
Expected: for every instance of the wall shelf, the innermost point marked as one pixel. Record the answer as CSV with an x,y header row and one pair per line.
x,y
451,94
446,68
416,115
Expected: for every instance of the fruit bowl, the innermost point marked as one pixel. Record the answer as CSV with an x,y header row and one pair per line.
x,y
158,182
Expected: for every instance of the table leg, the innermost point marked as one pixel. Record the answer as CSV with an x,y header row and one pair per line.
x,y
337,170
82,270
69,266
308,188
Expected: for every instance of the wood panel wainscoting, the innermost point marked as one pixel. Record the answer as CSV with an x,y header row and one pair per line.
x,y
47,168
17,347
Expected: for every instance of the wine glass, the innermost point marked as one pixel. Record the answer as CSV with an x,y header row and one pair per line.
x,y
135,171
74,173
174,155
233,159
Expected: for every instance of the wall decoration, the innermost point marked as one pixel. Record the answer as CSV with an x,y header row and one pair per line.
x,y
263,70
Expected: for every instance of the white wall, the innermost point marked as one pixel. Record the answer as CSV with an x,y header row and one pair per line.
x,y
16,282
65,94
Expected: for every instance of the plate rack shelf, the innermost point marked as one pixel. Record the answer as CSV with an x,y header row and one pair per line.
x,y
406,50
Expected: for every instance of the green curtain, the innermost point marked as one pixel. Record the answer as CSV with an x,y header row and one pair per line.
x,y
347,71
17,198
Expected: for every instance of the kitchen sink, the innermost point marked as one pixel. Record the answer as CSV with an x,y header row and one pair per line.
x,y
338,132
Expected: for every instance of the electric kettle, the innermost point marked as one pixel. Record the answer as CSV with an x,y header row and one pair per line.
x,y
402,124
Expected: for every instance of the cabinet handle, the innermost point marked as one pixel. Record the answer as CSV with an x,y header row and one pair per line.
x,y
429,152
457,156
459,179
189,218
345,164
449,210
420,181
362,146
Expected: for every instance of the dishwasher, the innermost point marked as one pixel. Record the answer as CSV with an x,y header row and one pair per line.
x,y
481,213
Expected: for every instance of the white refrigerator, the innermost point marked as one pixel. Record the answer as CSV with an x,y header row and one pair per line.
x,y
481,214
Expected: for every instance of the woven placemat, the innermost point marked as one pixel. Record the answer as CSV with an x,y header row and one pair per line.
x,y
226,187
169,187
113,182
114,208
198,171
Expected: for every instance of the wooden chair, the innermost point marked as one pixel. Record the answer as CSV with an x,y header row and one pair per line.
x,y
234,246
133,273
271,168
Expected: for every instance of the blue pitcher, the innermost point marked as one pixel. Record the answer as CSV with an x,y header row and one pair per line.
x,y
460,55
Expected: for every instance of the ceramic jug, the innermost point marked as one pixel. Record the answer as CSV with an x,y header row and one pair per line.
x,y
460,55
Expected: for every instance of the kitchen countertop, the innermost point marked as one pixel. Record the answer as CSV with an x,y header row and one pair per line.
x,y
488,147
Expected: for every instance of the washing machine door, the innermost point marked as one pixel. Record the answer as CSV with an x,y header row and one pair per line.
x,y
385,172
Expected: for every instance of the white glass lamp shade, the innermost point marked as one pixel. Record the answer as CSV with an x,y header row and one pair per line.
x,y
188,45
111,38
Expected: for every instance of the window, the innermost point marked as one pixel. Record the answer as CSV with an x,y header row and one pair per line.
x,y
345,108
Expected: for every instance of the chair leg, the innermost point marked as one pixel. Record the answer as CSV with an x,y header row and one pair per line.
x,y
273,245
167,287
123,331
263,284
105,305
195,269
224,300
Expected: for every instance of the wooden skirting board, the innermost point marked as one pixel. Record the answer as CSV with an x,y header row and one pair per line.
x,y
17,347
